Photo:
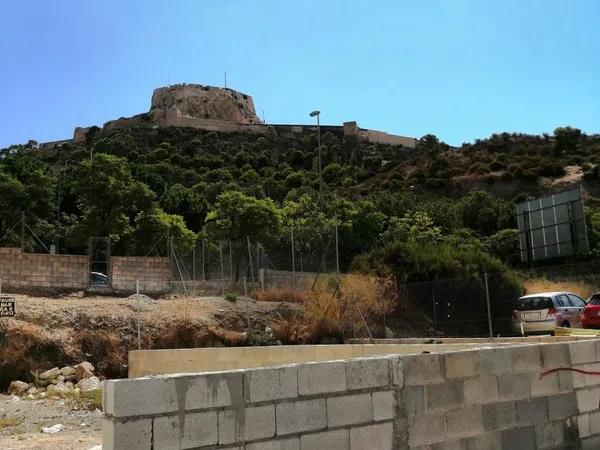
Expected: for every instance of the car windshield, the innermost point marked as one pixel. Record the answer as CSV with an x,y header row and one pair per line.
x,y
534,303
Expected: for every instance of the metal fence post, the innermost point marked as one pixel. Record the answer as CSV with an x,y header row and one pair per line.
x,y
487,299
231,265
337,252
23,231
139,312
293,262
247,306
203,263
194,263
250,259
433,302
222,270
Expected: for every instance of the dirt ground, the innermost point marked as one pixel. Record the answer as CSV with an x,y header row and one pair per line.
x,y
116,313
47,332
22,420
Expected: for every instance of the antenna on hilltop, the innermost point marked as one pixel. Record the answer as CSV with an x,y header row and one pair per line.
x,y
225,80
169,81
264,121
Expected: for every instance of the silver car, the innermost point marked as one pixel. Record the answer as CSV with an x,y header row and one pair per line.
x,y
543,312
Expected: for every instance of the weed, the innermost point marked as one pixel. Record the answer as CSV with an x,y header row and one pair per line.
x,y
536,285
93,400
329,306
229,338
231,297
261,338
10,421
278,295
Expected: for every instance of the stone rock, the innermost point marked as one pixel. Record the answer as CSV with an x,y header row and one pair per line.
x,y
84,370
202,102
60,378
32,390
89,384
50,374
57,389
53,429
67,371
17,387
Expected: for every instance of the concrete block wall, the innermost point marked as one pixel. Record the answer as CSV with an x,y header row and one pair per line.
x,y
159,362
340,404
487,398
19,269
153,273
497,398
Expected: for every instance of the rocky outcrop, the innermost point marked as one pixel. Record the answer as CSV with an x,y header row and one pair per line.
x,y
202,102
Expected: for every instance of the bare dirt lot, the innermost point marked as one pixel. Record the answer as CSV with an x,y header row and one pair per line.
x,y
54,332
22,420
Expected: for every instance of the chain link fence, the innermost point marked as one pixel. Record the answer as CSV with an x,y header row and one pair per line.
x,y
477,306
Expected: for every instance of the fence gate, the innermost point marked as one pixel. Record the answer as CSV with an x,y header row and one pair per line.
x,y
99,250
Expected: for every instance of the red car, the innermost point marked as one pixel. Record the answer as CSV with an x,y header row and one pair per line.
x,y
591,313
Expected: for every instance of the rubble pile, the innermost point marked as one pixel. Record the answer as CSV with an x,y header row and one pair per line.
x,y
70,381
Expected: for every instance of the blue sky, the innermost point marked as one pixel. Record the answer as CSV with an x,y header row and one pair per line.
x,y
460,69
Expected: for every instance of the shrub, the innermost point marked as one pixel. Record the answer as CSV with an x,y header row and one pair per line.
x,y
549,168
497,165
592,174
277,295
24,349
329,306
581,287
479,168
231,297
229,338
261,338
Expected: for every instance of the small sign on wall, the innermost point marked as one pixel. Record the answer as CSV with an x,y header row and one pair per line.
x,y
7,306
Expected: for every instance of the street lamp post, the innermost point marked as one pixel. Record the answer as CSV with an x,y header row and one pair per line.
x,y
318,114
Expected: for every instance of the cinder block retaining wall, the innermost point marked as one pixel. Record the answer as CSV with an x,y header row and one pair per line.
x,y
158,362
489,398
153,273
28,270
43,270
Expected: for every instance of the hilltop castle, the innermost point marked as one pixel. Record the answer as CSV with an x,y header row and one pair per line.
x,y
222,109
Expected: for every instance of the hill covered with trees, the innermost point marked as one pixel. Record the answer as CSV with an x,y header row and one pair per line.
x,y
133,184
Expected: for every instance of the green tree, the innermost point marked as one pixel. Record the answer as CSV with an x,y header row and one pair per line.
x,y
187,203
237,217
312,228
504,245
486,214
566,140
109,198
430,145
416,227
153,225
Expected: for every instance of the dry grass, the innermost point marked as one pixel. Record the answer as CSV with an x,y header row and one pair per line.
x,y
277,295
229,338
26,348
105,351
10,421
328,307
536,285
